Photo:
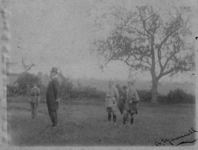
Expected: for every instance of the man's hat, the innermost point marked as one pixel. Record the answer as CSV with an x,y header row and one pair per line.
x,y
54,69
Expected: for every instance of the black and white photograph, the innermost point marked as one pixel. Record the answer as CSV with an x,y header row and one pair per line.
x,y
99,73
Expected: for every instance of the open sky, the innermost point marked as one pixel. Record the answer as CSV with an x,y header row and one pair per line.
x,y
58,33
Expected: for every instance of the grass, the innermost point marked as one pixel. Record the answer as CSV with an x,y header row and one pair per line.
x,y
83,123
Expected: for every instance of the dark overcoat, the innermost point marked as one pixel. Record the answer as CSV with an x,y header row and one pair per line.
x,y
52,94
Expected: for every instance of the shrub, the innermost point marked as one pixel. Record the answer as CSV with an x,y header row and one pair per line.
x,y
145,96
162,99
66,87
174,96
179,96
11,91
87,92
25,82
90,92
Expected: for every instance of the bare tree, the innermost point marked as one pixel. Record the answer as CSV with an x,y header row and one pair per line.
x,y
25,66
145,41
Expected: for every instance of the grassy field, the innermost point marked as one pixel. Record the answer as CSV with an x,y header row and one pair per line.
x,y
84,123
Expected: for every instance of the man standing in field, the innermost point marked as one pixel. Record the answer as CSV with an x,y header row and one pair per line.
x,y
52,96
111,101
132,100
34,100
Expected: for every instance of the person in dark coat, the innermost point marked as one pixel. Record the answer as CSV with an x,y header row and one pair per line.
x,y
52,96
131,103
121,98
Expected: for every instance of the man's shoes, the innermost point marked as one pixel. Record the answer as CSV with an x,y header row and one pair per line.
x,y
54,125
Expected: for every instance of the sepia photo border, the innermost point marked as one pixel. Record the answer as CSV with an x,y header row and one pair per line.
x,y
5,38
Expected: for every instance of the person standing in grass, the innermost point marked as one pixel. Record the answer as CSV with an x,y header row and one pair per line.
x,y
52,96
34,100
132,99
112,96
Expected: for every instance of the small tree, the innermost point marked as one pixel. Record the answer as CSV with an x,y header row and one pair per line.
x,y
147,40
25,66
66,86
25,82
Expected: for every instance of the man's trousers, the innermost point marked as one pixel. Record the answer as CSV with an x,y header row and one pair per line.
x,y
34,107
53,116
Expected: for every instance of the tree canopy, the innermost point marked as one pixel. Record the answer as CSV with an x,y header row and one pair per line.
x,y
151,40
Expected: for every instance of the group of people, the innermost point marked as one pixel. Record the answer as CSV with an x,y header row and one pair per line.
x,y
125,98
52,97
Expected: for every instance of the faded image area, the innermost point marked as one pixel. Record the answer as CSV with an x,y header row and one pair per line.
x,y
102,73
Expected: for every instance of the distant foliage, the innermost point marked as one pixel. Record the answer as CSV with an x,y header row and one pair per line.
x,y
179,96
145,95
25,82
174,96
12,90
67,91
87,92
66,87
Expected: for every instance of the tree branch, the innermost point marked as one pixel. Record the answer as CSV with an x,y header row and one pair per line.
x,y
168,35
27,67
159,58
144,24
169,71
102,66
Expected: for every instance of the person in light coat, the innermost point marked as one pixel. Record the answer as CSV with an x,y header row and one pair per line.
x,y
34,100
111,99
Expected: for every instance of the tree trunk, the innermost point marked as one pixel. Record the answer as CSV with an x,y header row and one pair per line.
x,y
153,74
154,90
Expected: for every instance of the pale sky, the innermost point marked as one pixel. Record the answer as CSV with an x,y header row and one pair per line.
x,y
58,33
